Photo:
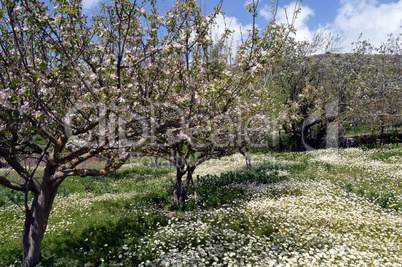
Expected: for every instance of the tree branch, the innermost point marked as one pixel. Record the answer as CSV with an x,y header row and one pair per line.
x,y
83,157
112,166
13,163
7,183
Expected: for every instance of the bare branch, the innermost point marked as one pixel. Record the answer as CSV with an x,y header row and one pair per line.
x,y
7,183
112,166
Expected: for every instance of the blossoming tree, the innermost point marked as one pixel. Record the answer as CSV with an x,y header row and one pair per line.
x,y
196,111
128,79
65,81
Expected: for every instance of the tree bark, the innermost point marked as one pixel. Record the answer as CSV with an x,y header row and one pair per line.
x,y
189,179
246,156
280,145
297,140
36,220
177,192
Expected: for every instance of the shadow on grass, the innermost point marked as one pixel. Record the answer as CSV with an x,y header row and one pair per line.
x,y
107,242
129,177
386,200
213,191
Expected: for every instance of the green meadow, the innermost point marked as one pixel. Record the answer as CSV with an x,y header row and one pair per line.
x,y
319,208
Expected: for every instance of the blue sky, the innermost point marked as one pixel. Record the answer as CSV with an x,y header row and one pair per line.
x,y
373,20
370,20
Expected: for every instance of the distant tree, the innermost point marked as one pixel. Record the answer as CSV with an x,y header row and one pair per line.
x,y
364,85
370,92
389,92
299,87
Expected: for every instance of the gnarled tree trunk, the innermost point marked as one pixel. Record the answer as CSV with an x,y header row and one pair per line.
x,y
36,220
245,152
177,192
189,179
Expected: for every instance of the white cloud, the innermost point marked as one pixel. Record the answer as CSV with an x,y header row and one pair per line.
x,y
368,18
247,3
266,12
86,4
240,31
286,15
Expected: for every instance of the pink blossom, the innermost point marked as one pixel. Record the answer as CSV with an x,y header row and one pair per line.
x,y
177,45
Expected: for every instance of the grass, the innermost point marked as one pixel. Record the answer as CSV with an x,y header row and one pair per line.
x,y
318,208
358,130
371,173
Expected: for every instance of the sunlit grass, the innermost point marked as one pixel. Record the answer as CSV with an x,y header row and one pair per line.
x,y
312,224
375,174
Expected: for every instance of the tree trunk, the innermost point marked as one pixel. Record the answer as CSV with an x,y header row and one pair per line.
x,y
280,145
247,157
189,179
177,192
36,220
297,139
